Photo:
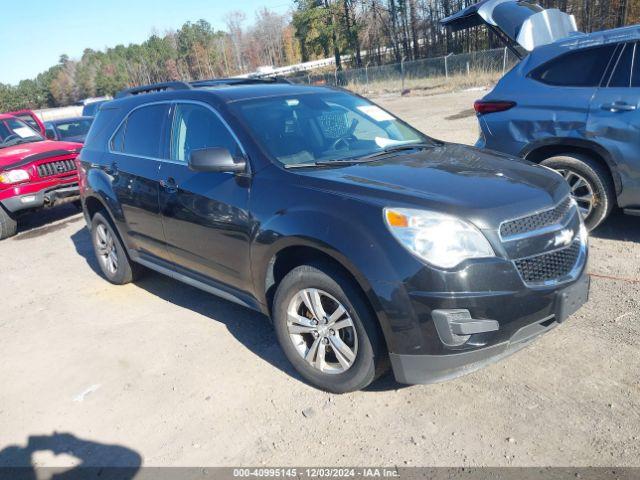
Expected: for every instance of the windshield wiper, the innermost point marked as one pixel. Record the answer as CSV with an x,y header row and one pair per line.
x,y
395,149
367,158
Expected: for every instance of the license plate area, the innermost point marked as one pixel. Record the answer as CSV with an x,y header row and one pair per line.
x,y
572,298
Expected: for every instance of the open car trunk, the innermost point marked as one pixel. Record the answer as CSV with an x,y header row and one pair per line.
x,y
517,22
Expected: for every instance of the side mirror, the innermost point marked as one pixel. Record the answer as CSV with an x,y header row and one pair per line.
x,y
50,135
216,159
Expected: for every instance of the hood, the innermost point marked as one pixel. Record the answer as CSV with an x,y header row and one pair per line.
x,y
483,187
524,23
12,157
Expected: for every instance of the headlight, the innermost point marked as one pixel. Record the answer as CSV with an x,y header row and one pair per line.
x,y
441,240
14,176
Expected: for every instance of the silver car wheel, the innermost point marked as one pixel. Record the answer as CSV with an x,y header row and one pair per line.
x,y
581,191
106,249
322,331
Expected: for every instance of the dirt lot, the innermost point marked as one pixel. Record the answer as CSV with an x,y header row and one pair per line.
x,y
176,377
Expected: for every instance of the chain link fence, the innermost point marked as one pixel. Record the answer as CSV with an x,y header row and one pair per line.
x,y
474,66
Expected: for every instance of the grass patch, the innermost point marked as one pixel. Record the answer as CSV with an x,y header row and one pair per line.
x,y
428,85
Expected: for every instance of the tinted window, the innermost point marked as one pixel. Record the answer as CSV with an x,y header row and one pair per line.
x,y
583,68
143,135
196,127
117,142
635,78
622,73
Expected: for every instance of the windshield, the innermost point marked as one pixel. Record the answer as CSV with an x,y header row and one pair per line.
x,y
14,132
73,129
311,128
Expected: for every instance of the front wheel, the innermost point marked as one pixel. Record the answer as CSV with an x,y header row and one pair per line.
x,y
8,224
590,183
327,330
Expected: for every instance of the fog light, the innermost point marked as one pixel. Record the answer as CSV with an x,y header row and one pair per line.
x,y
28,199
455,327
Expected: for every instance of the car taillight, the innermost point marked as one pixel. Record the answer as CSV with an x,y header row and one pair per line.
x,y
483,106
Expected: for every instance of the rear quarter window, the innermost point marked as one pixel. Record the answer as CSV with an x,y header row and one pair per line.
x,y
582,68
102,128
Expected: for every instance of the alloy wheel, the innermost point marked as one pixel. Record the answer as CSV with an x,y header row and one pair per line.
x,y
322,331
581,191
106,249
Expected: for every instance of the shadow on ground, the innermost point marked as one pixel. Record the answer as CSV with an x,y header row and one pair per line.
x,y
43,222
17,462
250,328
619,227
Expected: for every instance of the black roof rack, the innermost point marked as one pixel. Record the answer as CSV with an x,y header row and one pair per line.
x,y
214,82
156,87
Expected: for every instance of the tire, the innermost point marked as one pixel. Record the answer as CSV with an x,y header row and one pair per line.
x,y
110,252
575,167
357,328
8,224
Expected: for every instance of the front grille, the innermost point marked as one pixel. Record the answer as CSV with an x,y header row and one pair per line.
x,y
536,221
549,266
56,168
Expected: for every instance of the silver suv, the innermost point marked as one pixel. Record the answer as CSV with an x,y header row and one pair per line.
x,y
571,104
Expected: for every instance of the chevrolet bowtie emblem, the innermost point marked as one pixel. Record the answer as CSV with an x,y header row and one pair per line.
x,y
563,238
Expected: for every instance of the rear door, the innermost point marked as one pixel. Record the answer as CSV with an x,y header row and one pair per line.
x,y
614,121
553,100
136,152
205,214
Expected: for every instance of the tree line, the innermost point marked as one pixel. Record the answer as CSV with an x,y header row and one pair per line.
x,y
368,31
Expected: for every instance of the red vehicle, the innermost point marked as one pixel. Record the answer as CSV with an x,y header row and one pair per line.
x,y
35,173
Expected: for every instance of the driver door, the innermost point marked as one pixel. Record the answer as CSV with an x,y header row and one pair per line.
x,y
205,214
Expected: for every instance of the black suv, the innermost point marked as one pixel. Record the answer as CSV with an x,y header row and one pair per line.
x,y
361,238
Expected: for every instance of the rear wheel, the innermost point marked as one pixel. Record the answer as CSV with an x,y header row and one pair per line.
x,y
110,253
591,185
327,330
8,224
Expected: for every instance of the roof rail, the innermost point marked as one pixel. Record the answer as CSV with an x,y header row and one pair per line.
x,y
214,82
156,87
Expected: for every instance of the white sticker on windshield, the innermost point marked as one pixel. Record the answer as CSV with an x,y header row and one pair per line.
x,y
24,132
388,142
376,113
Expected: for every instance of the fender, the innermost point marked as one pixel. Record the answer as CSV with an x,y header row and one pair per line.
x,y
345,239
578,143
98,187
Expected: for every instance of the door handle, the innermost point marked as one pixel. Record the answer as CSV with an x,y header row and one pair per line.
x,y
169,185
618,107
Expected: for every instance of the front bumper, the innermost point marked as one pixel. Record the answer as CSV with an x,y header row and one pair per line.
x,y
446,365
45,198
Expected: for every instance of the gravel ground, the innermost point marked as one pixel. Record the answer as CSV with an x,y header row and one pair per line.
x,y
160,373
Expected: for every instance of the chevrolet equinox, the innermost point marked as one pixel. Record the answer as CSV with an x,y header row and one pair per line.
x,y
365,241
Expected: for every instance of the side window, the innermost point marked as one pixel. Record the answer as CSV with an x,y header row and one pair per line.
x,y
143,135
635,74
583,68
196,127
621,77
117,142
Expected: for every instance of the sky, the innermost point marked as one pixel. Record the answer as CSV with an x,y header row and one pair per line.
x,y
34,34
